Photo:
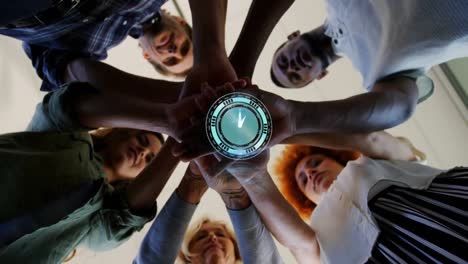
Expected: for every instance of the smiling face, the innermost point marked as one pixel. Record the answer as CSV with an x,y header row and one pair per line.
x,y
212,244
170,47
127,152
315,173
295,65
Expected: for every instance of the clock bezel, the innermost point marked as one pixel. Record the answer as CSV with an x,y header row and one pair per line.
x,y
224,146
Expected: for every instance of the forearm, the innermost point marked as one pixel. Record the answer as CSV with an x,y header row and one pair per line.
x,y
112,81
208,22
163,240
253,37
235,199
376,145
373,111
279,217
95,109
191,188
255,242
143,191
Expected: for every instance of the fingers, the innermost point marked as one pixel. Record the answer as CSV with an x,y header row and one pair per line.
x,y
188,151
210,166
239,84
193,167
208,91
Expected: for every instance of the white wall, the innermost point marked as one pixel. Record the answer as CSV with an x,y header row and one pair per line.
x,y
439,128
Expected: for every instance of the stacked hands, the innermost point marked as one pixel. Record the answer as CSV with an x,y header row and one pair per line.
x,y
188,125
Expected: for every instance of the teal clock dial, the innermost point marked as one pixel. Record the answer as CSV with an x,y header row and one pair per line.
x,y
238,126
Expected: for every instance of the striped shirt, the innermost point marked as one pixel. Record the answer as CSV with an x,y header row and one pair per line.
x,y
52,47
423,226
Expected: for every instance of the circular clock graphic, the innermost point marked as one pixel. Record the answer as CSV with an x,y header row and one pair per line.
x,y
238,126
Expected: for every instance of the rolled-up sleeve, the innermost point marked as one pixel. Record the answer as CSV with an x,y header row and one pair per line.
x,y
56,112
115,223
255,242
50,64
162,242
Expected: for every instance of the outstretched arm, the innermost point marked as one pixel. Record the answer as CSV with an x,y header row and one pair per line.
x,y
255,242
112,81
210,62
262,18
142,192
164,239
376,145
389,104
281,219
278,216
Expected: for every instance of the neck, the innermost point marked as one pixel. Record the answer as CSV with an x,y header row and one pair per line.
x,y
99,148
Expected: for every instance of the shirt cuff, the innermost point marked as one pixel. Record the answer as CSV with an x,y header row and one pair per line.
x,y
117,200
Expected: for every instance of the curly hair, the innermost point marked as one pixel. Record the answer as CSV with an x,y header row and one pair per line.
x,y
284,170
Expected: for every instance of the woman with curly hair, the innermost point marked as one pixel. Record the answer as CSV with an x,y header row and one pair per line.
x,y
369,210
294,156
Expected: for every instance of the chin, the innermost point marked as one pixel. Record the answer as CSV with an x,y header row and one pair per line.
x,y
218,254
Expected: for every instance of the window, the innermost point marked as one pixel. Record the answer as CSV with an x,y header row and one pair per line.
x,y
457,73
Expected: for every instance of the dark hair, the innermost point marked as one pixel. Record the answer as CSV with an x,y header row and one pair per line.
x,y
159,136
272,74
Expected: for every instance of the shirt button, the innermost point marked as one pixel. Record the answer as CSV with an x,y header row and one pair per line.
x,y
335,41
124,22
340,31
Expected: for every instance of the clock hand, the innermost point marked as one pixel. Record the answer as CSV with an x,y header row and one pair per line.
x,y
240,120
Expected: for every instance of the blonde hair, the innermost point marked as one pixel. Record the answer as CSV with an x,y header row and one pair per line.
x,y
184,253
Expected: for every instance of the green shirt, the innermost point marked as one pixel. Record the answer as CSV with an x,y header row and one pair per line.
x,y
36,168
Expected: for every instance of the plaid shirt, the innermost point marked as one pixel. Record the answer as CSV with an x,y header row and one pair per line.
x,y
52,47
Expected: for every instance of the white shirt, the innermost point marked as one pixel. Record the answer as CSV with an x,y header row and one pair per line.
x,y
345,229
382,37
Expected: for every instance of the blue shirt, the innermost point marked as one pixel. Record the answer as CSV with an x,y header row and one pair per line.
x,y
52,47
164,239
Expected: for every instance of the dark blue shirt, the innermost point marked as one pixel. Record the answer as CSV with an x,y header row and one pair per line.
x,y
52,47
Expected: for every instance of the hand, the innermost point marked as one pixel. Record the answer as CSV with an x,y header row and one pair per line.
x,y
190,125
245,170
182,115
242,170
193,186
195,144
231,191
228,187
215,70
281,112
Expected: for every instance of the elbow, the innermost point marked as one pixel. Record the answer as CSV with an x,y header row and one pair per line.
x,y
404,111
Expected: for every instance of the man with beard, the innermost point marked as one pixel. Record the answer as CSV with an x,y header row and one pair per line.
x,y
66,41
391,43
167,45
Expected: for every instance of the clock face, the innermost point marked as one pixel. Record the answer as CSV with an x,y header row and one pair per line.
x,y
238,126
